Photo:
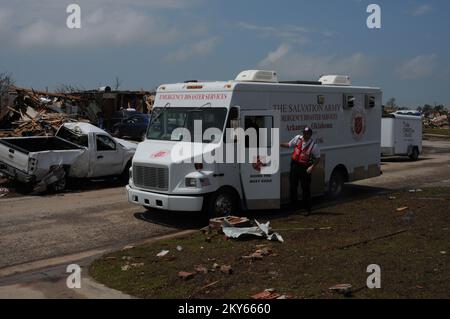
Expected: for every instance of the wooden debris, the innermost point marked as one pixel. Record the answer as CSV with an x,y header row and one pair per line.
x,y
267,294
186,275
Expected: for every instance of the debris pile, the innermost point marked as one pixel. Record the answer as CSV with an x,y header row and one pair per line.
x,y
28,112
437,120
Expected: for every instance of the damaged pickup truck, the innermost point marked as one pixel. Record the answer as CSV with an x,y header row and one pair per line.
x,y
79,150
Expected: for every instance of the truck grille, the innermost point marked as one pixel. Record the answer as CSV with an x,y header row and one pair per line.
x,y
150,177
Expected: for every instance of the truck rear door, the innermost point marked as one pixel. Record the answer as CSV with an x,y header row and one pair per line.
x,y
13,156
261,190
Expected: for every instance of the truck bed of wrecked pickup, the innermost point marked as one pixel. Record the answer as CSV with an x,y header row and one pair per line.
x,y
38,144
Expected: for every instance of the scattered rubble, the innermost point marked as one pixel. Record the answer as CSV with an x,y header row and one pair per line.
x,y
216,223
201,269
259,254
226,269
267,294
186,275
344,289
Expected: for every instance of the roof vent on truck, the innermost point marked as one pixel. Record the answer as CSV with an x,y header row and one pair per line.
x,y
257,76
341,80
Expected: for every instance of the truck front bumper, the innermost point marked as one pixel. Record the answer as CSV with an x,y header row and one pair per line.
x,y
16,174
165,202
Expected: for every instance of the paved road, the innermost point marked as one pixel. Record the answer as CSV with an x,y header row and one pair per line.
x,y
33,228
39,228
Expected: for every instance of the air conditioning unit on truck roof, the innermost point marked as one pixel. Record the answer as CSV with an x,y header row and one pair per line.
x,y
257,76
342,80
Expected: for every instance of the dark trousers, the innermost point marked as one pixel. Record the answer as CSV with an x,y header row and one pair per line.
x,y
299,174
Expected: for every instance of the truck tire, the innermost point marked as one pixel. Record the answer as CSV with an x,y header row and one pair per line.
x,y
336,184
125,176
414,156
59,186
222,203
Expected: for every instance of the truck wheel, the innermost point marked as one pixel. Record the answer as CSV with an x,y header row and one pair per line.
x,y
59,186
414,156
125,176
222,203
336,184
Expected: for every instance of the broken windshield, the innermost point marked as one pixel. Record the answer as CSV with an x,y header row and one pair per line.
x,y
72,136
169,119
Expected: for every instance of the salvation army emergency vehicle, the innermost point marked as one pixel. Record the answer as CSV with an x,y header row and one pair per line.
x,y
401,135
346,121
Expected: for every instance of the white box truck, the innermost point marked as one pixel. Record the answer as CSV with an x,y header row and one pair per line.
x,y
346,121
401,135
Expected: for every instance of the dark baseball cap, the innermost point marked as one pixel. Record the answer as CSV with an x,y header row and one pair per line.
x,y
307,130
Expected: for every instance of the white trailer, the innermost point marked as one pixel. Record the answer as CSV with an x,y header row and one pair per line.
x,y
401,135
346,121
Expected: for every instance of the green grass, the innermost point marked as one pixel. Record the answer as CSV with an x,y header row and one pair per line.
x,y
309,261
437,131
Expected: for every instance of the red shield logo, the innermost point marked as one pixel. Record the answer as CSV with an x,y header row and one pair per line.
x,y
258,164
359,125
160,154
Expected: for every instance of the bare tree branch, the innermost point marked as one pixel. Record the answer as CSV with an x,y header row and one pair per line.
x,y
6,81
117,83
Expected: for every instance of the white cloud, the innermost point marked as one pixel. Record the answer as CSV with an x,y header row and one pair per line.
x,y
277,55
101,27
419,67
291,33
298,65
199,49
422,10
104,23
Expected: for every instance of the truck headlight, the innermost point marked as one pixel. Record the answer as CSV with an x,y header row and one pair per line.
x,y
191,182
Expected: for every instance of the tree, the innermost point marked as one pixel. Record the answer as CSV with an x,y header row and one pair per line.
x,y
427,109
117,83
391,103
68,88
6,81
439,108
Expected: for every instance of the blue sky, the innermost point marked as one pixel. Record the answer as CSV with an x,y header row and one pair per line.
x,y
149,42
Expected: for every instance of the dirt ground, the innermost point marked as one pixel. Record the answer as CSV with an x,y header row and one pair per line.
x,y
333,246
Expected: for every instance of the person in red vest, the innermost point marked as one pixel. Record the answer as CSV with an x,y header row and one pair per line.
x,y
304,160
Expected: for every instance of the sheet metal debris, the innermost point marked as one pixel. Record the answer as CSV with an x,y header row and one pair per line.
x,y
162,253
261,230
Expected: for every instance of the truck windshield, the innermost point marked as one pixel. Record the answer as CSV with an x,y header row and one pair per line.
x,y
165,123
72,136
